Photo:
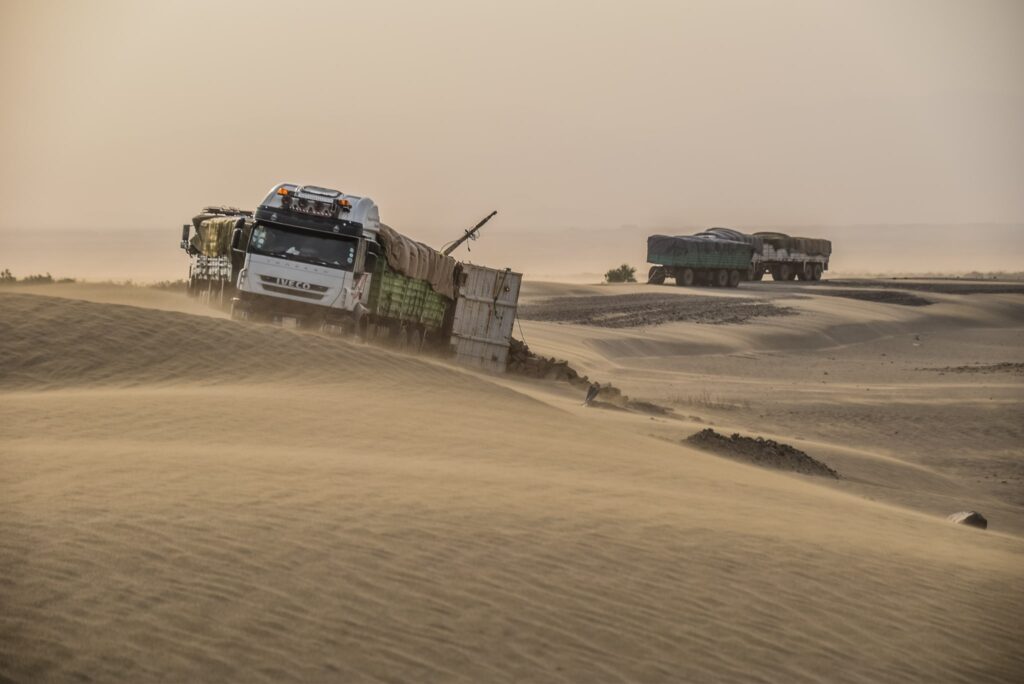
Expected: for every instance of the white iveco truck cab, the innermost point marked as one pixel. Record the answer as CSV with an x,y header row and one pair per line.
x,y
309,256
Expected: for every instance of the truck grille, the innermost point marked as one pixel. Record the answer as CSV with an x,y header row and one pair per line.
x,y
304,294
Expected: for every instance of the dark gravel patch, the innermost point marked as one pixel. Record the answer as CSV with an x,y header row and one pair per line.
x,y
962,287
634,310
762,452
882,296
1005,367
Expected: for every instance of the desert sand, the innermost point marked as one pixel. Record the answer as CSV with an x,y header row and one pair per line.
x,y
188,498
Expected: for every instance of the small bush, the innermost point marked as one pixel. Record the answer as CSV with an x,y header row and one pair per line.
x,y
181,285
8,278
37,279
623,274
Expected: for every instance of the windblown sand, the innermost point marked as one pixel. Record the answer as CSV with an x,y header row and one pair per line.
x,y
187,498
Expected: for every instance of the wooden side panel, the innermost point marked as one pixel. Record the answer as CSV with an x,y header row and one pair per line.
x,y
485,315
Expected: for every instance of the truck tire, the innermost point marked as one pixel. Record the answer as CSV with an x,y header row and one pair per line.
x,y
397,336
684,278
239,313
806,272
783,272
414,339
818,270
361,327
756,273
656,276
720,278
377,332
734,278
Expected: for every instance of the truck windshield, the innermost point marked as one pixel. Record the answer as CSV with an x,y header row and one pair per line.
x,y
299,245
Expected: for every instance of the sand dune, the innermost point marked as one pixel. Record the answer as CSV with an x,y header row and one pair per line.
x,y
184,498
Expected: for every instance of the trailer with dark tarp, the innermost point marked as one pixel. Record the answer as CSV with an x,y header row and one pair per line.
x,y
708,258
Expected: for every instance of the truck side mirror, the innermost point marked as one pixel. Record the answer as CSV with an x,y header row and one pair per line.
x,y
370,260
236,238
184,236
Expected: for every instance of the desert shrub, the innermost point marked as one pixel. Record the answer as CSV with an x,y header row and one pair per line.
x,y
8,278
170,285
623,274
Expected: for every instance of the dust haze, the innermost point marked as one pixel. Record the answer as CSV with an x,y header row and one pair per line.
x,y
587,127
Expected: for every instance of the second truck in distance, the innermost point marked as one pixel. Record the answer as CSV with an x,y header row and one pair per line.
x,y
722,257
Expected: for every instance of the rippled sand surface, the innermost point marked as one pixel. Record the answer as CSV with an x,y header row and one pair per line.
x,y
186,498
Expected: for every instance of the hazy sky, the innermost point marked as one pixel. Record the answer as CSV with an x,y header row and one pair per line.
x,y
133,115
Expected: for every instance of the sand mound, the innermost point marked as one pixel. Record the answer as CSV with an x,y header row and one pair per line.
x,y
633,310
766,453
48,342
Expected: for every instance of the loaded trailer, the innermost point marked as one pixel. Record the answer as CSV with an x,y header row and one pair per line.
x,y
788,258
212,259
709,258
319,259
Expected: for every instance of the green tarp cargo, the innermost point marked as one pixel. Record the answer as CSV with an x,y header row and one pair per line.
x,y
398,297
704,251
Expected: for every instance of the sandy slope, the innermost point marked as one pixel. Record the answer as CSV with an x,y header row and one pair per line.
x,y
186,498
860,382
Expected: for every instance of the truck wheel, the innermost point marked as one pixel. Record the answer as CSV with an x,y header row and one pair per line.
x,y
377,332
783,272
415,340
656,276
806,273
684,277
239,313
756,273
396,335
361,327
734,278
817,272
720,278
